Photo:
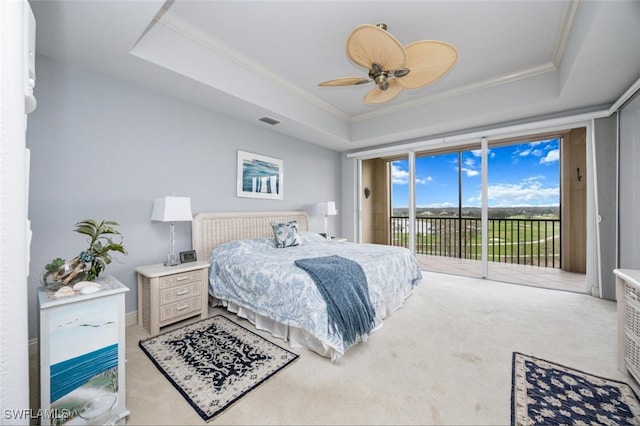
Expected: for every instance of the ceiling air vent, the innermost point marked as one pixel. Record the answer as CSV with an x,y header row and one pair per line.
x,y
269,120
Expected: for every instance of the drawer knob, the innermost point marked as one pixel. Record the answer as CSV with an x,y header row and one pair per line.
x,y
181,292
182,278
179,308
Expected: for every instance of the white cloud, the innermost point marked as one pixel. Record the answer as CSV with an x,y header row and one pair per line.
x,y
528,192
478,153
534,179
471,166
437,205
551,157
530,150
401,177
470,172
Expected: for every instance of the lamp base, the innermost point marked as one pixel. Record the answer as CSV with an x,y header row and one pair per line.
x,y
326,234
172,260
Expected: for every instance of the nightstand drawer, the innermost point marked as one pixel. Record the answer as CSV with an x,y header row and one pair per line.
x,y
179,279
182,292
180,308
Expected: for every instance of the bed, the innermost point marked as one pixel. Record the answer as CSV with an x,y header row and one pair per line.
x,y
260,282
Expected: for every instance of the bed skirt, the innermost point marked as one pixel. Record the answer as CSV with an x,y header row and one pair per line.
x,y
299,338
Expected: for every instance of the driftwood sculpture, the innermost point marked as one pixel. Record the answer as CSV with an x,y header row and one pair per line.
x,y
68,272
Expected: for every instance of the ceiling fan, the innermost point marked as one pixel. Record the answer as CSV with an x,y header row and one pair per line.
x,y
391,66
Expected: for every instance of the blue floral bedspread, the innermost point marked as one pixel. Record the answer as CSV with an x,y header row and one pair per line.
x,y
258,276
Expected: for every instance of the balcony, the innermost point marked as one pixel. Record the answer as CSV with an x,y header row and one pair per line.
x,y
534,242
521,251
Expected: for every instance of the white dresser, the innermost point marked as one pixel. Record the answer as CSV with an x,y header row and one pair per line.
x,y
628,301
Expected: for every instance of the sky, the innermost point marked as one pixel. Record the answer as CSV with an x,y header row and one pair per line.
x,y
521,175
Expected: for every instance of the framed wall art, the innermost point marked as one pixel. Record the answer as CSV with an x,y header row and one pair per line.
x,y
259,176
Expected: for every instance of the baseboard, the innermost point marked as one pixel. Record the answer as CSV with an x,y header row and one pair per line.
x,y
131,318
33,346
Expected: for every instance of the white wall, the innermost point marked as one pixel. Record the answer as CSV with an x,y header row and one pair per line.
x,y
103,149
629,177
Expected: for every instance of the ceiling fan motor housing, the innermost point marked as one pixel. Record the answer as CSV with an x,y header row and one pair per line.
x,y
381,80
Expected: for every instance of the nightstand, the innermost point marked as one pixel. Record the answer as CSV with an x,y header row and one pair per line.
x,y
168,294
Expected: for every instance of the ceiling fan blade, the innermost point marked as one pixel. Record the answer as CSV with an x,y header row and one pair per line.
x,y
378,96
369,44
347,81
428,60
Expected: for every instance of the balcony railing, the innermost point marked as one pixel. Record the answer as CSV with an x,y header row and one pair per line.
x,y
521,241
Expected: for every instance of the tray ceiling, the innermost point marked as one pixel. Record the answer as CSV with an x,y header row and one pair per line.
x,y
254,59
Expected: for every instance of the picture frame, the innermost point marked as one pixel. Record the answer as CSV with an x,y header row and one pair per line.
x,y
259,176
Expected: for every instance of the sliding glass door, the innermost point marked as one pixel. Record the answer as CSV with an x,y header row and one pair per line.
x,y
523,208
479,205
475,217
446,228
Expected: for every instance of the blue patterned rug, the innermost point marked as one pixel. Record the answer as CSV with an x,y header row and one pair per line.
x,y
215,362
545,393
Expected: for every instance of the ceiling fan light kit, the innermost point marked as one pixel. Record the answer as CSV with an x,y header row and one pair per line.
x,y
393,67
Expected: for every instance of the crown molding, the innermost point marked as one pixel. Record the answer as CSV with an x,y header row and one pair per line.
x,y
565,30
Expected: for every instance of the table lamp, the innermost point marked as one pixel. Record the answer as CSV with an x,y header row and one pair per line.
x,y
327,208
172,209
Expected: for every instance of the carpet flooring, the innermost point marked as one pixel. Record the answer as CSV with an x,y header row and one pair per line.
x,y
215,362
444,358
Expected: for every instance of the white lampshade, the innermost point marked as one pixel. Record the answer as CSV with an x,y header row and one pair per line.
x,y
172,209
327,208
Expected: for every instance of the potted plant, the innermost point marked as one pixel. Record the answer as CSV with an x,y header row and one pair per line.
x,y
98,253
90,263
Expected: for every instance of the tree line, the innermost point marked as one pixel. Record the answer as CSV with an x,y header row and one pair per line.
x,y
528,212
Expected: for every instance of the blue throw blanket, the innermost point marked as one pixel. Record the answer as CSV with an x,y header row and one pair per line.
x,y
343,286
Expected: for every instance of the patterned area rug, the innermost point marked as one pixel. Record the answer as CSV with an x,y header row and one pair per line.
x,y
215,362
545,393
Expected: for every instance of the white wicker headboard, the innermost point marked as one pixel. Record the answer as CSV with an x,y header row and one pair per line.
x,y
210,229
